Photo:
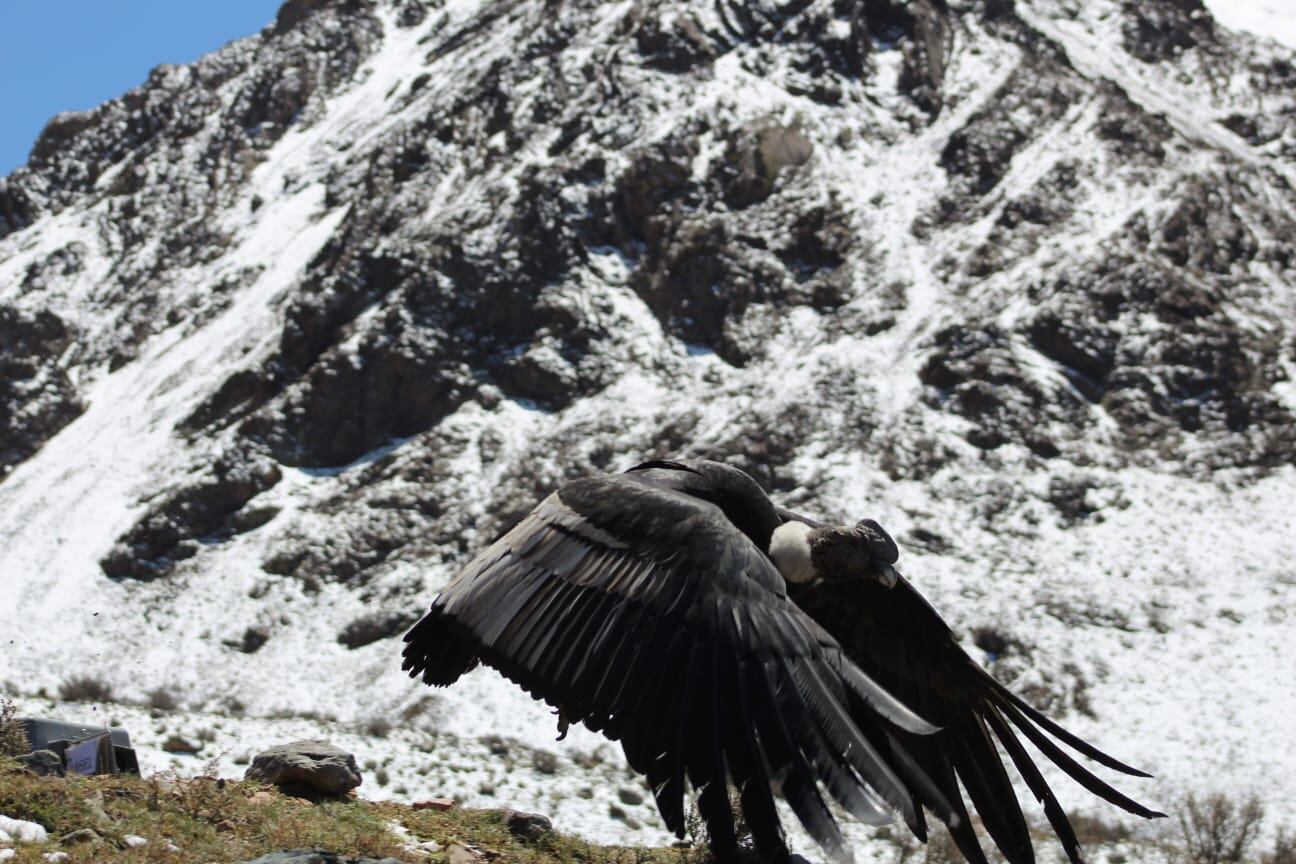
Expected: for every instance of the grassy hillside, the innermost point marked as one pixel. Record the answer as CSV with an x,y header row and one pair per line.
x,y
208,819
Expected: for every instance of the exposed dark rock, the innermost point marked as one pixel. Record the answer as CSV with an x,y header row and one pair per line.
x,y
528,826
1205,231
16,208
652,188
373,626
60,265
980,154
925,34
312,765
998,644
621,815
293,12
205,510
177,153
813,36
631,797
1025,220
412,12
1072,499
1204,379
1164,29
177,744
252,640
978,374
757,156
676,45
37,398
43,763
346,555
1132,132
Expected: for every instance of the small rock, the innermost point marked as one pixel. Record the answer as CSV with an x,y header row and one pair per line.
x,y
44,763
630,796
225,825
6,854
134,841
316,765
529,826
95,804
22,831
262,797
496,745
55,857
441,804
176,744
84,835
458,854
544,762
625,818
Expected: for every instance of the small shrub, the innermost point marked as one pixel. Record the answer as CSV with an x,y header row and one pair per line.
x,y
1094,831
161,699
85,689
378,727
544,762
1284,850
13,740
1217,830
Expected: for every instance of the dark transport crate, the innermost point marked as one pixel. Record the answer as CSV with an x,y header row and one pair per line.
x,y
83,748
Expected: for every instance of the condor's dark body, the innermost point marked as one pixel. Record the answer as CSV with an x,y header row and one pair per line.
x,y
647,606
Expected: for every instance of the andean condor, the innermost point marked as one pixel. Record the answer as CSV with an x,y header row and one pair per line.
x,y
729,643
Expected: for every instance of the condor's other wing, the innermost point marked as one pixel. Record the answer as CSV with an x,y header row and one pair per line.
x,y
900,641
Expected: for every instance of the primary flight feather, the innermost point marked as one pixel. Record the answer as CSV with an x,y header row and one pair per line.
x,y
732,644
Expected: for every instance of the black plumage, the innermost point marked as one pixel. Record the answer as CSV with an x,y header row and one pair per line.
x,y
646,605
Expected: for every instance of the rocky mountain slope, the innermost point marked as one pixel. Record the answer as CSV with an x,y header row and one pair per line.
x,y
289,333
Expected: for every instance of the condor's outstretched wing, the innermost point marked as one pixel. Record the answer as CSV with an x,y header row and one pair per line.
x,y
900,641
646,614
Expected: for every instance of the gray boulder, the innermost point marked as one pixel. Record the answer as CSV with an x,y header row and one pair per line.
x,y
314,765
45,763
528,826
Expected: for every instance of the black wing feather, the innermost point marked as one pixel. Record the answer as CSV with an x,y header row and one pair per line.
x,y
904,648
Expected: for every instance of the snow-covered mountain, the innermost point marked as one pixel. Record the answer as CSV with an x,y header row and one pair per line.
x,y
289,333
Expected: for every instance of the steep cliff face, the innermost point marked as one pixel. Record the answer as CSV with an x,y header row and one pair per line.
x,y
291,332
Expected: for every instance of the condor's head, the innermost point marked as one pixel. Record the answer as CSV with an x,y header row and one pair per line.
x,y
809,554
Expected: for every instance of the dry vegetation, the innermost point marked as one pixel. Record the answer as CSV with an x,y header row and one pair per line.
x,y
1219,830
13,741
208,819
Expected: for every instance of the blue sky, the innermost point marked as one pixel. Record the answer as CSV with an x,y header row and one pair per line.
x,y
61,55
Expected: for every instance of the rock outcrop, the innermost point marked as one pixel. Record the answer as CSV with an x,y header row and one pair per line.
x,y
314,766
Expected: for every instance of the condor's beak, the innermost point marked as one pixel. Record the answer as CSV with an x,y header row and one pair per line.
x,y
887,575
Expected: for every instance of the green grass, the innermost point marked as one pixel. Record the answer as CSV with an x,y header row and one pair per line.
x,y
211,820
